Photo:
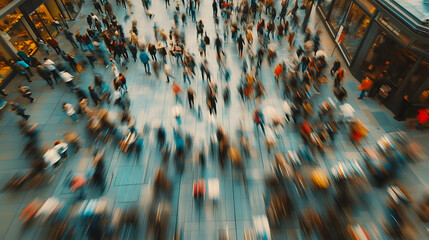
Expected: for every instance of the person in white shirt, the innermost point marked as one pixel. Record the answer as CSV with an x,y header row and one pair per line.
x,y
68,108
167,71
288,110
94,17
50,65
67,78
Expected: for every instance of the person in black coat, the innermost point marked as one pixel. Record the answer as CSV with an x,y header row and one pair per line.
x,y
214,6
97,6
240,42
80,93
45,74
152,51
89,20
19,110
91,58
70,59
94,96
70,37
133,51
161,135
337,65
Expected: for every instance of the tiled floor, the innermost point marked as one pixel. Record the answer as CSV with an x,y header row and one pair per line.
x,y
129,177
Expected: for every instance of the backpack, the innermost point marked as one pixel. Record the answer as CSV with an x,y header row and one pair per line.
x,y
200,28
207,40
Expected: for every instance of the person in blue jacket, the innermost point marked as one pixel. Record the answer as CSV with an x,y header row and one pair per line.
x,y
24,57
144,57
21,68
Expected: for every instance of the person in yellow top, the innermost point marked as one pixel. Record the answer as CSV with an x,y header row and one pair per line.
x,y
364,87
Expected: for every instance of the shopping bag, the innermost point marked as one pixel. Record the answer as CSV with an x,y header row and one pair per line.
x,y
79,68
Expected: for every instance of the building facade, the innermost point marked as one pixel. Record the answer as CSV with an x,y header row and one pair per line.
x,y
23,22
386,40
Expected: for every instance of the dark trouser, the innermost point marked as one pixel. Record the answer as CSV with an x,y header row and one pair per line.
x,y
213,110
91,62
28,96
262,126
191,102
73,43
55,75
57,50
337,82
186,77
154,57
23,115
29,71
362,94
333,70
125,54
99,10
146,67
73,66
70,84
25,74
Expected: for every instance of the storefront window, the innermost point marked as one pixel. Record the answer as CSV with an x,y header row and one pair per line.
x,y
368,6
5,69
389,60
337,15
72,7
55,9
15,32
419,77
355,27
43,20
4,3
325,5
424,97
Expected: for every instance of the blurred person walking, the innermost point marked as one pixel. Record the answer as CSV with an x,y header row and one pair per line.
x,y
26,92
19,110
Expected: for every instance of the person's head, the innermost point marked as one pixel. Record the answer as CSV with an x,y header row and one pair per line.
x,y
11,102
120,74
64,105
90,88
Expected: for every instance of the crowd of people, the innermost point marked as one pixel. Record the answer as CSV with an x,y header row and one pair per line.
x,y
257,30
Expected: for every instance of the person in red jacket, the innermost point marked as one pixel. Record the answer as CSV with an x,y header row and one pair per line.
x,y
364,87
54,44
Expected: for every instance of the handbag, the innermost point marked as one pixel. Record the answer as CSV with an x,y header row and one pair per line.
x,y
79,68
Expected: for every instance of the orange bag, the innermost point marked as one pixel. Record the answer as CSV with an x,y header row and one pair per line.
x,y
278,70
79,68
